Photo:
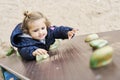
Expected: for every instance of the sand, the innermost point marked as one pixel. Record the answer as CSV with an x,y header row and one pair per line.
x,y
89,16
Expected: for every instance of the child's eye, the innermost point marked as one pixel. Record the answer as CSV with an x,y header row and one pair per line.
x,y
43,28
35,30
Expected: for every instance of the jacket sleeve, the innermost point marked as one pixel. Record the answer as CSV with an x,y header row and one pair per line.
x,y
61,32
26,52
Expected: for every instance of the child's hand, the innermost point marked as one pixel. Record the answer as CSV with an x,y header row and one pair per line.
x,y
39,52
71,33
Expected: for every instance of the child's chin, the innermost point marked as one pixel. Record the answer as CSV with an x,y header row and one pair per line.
x,y
42,38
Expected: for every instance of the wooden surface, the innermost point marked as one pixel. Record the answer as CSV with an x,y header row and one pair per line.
x,y
71,62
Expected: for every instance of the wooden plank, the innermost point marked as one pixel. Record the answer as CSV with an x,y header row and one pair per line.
x,y
71,62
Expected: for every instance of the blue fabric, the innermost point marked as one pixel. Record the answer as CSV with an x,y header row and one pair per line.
x,y
26,45
8,76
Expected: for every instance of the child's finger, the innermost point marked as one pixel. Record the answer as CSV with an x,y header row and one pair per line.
x,y
70,35
69,38
42,51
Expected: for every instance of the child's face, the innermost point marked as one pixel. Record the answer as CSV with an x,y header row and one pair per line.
x,y
38,29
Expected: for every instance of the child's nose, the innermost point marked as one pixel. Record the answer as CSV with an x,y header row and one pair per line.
x,y
40,32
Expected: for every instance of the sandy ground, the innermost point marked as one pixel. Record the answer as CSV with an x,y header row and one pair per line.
x,y
89,16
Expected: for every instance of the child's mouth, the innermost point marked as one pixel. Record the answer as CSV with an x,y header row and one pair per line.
x,y
42,36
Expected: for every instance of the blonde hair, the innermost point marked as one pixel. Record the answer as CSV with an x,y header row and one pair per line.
x,y
30,17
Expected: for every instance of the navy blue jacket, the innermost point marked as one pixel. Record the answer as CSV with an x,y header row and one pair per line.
x,y
26,45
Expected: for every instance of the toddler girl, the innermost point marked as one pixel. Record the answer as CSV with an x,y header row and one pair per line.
x,y
35,34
